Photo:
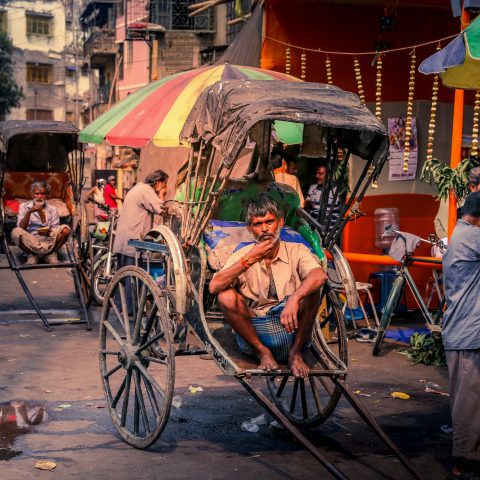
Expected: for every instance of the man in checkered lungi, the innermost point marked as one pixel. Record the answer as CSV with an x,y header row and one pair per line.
x,y
258,278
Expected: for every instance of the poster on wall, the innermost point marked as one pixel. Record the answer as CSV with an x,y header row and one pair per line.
x,y
396,135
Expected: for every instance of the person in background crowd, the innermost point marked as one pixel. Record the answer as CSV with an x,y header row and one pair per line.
x,y
38,232
96,194
110,193
292,168
313,200
141,203
279,166
461,337
441,218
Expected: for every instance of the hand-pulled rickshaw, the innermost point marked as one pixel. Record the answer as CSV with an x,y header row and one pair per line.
x,y
49,151
229,131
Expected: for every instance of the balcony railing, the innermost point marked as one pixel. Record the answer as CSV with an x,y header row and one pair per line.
x,y
100,42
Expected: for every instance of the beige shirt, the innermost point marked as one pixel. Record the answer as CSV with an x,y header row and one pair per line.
x,y
291,181
290,267
136,217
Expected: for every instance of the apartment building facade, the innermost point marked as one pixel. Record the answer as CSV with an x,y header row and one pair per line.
x,y
46,58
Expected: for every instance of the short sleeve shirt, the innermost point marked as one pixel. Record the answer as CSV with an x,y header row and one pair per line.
x,y
108,191
461,273
290,267
52,219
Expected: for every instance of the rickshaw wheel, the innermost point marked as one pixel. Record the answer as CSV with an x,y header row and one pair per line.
x,y
138,386
156,348
83,252
309,402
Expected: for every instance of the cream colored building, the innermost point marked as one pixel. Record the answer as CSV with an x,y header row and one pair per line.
x,y
47,56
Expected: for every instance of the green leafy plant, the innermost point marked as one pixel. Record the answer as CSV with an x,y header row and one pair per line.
x,y
426,349
445,178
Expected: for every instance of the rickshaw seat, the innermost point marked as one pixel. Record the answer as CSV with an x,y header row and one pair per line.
x,y
16,187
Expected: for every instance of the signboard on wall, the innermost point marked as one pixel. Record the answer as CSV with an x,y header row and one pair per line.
x,y
396,135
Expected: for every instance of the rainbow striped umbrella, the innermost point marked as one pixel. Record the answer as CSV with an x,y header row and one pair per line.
x,y
158,111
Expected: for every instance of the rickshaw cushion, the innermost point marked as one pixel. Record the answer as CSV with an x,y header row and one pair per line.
x,y
16,186
238,193
222,238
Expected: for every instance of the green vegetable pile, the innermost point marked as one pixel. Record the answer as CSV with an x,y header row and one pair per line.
x,y
426,349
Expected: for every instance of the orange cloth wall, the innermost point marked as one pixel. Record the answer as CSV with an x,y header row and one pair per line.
x,y
417,213
355,28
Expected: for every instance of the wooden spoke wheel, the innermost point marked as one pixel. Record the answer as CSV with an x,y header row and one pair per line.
x,y
100,280
83,255
309,402
156,331
138,386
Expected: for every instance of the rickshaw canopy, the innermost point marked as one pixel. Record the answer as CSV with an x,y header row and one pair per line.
x,y
37,145
225,112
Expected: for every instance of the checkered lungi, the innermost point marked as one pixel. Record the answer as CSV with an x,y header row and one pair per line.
x,y
271,333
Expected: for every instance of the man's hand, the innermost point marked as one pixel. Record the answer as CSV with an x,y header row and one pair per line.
x,y
259,251
289,316
36,207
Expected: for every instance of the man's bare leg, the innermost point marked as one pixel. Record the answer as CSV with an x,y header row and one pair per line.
x,y
61,237
306,317
237,314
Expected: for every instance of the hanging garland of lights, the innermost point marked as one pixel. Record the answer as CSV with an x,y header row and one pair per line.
x,y
433,115
288,63
378,87
408,121
476,111
303,66
358,77
328,67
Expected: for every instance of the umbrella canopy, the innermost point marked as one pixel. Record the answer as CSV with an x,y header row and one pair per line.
x,y
158,111
459,62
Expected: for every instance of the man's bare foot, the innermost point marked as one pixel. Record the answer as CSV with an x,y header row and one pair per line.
x,y
267,362
297,365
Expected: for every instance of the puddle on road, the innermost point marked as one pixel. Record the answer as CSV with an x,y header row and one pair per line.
x,y
17,418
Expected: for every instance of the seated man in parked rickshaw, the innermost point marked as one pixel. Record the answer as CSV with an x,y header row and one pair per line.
x,y
39,233
313,200
271,274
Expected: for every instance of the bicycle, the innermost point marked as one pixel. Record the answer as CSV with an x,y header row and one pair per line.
x,y
433,321
104,260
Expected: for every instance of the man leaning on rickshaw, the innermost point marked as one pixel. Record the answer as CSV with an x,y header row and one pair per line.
x,y
271,277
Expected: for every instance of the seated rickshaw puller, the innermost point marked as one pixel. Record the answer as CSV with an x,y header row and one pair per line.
x,y
267,275
39,233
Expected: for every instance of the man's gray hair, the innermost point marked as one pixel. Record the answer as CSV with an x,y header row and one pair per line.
x,y
261,206
40,184
474,177
156,176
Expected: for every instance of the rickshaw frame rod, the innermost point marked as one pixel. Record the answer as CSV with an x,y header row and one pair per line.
x,y
31,300
284,373
276,413
372,423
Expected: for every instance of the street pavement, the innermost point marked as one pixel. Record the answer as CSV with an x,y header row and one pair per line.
x,y
203,439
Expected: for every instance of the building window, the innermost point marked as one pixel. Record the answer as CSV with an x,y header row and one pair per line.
x,y
3,22
174,15
39,114
70,117
39,73
38,25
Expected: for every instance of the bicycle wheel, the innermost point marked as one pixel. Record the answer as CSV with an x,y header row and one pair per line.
x,y
390,307
100,281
